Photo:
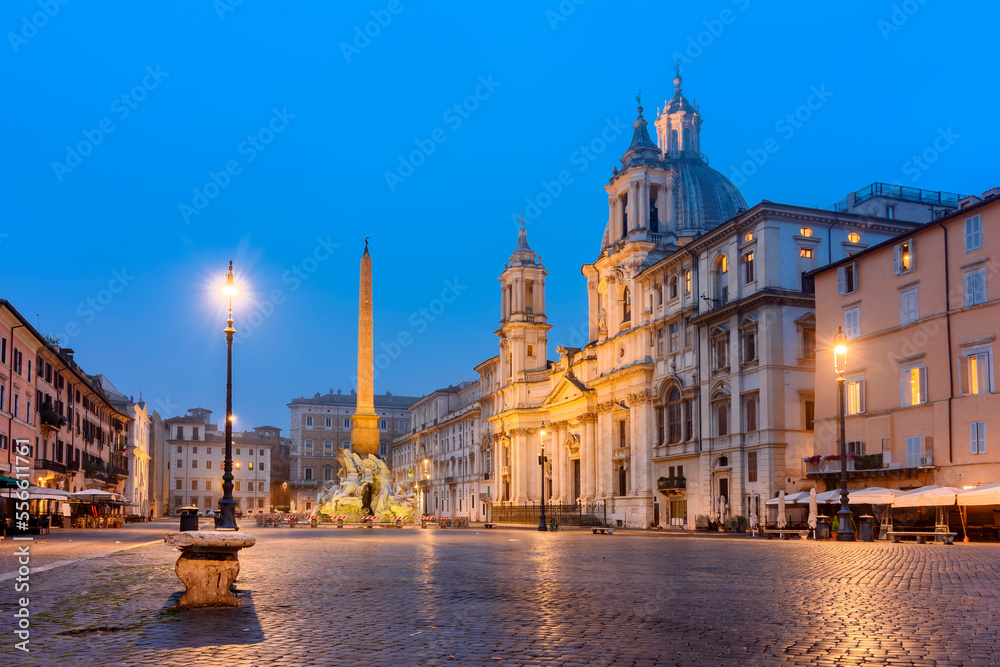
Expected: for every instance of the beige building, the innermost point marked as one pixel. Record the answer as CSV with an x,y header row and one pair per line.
x,y
321,426
921,313
196,452
443,456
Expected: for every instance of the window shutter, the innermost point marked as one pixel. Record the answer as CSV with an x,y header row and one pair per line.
x,y
973,437
913,254
963,375
968,288
861,395
896,261
982,379
982,437
840,280
922,371
857,278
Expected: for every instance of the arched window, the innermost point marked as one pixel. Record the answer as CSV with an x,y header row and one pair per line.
x,y
674,416
624,201
720,280
673,142
673,287
626,305
654,210
687,139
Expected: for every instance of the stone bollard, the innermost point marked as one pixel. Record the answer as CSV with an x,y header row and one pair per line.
x,y
208,565
423,523
399,523
340,523
313,522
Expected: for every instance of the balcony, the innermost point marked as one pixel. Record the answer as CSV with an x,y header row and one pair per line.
x,y
671,485
487,476
879,464
620,453
121,472
73,466
44,464
504,470
449,480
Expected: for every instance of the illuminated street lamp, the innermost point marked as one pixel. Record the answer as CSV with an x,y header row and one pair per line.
x,y
541,463
227,505
427,493
844,532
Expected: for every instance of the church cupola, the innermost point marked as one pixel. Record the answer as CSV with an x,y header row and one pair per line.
x,y
678,128
642,148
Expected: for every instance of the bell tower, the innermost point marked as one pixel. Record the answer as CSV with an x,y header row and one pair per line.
x,y
524,327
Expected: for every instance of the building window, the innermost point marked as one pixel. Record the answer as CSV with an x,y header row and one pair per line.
x,y
908,306
308,473
383,424
975,286
623,433
660,426
854,237
327,473
855,391
208,464
809,407
751,466
688,420
748,269
890,211
673,287
309,421
675,329
328,447
687,281
806,231
806,253
914,385
720,350
194,485
914,451
531,350
194,464
808,343
852,322
749,345
347,420
720,277
674,416
329,422
180,433
208,485
260,486
626,305
178,484
977,437
976,373
250,465
903,257
236,485
750,411
720,409
659,342
973,233
847,278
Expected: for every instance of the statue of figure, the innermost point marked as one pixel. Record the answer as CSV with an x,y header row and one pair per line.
x,y
602,321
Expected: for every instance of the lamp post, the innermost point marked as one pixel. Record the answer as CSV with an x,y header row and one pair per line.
x,y
541,464
844,532
427,487
227,505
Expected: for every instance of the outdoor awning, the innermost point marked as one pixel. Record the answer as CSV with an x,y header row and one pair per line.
x,y
874,495
40,493
988,494
800,497
12,482
927,496
96,495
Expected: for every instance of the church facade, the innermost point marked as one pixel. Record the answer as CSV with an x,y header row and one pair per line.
x,y
695,388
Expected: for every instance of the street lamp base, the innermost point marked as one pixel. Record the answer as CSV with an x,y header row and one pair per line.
x,y
844,532
227,516
542,526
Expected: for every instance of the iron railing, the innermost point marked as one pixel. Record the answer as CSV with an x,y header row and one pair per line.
x,y
579,514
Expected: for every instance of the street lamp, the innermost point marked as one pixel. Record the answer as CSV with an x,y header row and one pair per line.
x,y
227,505
844,532
541,464
426,489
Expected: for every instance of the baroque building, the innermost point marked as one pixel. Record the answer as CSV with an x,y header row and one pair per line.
x,y
696,386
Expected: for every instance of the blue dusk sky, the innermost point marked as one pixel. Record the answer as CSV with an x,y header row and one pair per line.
x,y
150,143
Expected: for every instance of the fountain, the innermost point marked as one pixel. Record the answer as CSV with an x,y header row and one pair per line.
x,y
365,488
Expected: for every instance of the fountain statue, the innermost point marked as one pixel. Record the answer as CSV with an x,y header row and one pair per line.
x,y
365,488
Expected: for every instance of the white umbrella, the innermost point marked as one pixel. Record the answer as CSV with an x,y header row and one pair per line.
x,y
988,494
782,521
753,511
831,497
40,493
791,498
927,496
813,510
97,494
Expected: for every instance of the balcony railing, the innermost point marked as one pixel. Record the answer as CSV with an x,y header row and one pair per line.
x,y
487,476
449,480
44,464
620,453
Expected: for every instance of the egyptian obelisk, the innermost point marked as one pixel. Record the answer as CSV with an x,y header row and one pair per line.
x,y
364,439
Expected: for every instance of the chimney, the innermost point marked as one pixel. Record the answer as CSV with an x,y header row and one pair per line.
x,y
993,192
966,202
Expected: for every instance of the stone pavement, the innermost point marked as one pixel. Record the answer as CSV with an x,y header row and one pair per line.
x,y
515,597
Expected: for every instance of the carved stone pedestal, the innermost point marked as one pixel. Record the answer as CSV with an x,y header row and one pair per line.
x,y
208,566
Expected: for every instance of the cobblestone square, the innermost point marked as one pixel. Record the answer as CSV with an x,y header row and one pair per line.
x,y
519,597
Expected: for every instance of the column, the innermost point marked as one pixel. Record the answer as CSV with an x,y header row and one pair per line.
x,y
664,212
633,206
603,459
642,419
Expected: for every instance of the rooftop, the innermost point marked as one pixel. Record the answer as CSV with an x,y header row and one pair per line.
x,y
902,193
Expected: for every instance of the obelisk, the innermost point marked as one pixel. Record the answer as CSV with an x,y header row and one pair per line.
x,y
364,438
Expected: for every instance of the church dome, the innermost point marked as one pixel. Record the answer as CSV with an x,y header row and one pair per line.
x,y
704,198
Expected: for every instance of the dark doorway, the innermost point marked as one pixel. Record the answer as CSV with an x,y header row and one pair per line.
x,y
622,488
724,488
576,479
